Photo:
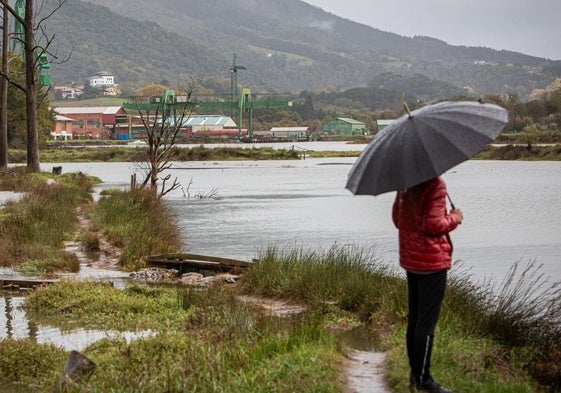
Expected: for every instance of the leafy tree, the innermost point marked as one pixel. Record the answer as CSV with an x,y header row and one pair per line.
x,y
553,102
152,90
90,92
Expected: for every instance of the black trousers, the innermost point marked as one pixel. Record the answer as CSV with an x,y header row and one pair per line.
x,y
426,292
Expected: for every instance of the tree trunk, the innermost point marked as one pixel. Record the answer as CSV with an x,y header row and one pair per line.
x,y
30,93
4,93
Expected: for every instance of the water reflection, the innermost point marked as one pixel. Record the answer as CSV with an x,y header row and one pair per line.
x,y
14,324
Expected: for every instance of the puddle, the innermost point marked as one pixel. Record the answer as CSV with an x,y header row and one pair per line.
x,y
15,324
365,373
117,278
361,338
6,196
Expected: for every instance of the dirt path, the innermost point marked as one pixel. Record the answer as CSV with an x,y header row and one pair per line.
x,y
108,254
365,372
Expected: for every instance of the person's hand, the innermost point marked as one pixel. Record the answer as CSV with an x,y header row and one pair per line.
x,y
459,213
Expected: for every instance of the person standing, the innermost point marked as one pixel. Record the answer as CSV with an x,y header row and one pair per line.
x,y
425,252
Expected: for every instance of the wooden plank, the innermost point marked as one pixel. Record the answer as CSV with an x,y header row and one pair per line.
x,y
17,284
188,262
181,257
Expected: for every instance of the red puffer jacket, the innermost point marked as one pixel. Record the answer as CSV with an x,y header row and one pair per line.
x,y
423,222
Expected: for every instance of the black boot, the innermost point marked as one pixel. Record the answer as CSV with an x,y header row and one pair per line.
x,y
429,386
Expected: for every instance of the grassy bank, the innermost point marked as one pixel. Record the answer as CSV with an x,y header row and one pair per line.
x,y
34,227
486,342
138,223
86,153
204,340
136,154
528,152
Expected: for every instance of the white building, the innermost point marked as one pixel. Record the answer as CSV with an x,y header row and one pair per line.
x,y
101,79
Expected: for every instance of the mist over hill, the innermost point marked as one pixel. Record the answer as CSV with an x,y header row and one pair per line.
x,y
287,46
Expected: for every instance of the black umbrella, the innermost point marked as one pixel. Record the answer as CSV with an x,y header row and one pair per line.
x,y
424,144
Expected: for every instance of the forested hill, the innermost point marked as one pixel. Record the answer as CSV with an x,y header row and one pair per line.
x,y
286,45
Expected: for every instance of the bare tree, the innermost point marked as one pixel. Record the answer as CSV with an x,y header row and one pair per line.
x,y
34,55
163,123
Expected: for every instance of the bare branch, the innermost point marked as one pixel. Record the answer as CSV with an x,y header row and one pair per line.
x,y
55,9
175,185
163,126
13,12
12,82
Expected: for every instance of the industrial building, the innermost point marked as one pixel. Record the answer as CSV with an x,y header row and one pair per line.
x,y
99,122
345,126
282,134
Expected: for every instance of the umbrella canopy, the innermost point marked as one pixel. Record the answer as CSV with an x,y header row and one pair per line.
x,y
424,144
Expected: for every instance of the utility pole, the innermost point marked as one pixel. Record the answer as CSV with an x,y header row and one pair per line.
x,y
234,78
234,85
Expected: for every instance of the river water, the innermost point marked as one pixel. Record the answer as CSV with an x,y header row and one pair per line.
x,y
512,209
512,213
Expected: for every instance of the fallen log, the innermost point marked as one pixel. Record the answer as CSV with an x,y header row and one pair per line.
x,y
22,283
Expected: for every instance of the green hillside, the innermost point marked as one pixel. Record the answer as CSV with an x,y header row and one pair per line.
x,y
286,46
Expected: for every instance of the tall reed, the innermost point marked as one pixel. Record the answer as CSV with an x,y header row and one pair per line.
x,y
522,314
354,279
137,222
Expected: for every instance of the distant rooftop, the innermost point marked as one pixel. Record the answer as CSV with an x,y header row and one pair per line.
x,y
106,110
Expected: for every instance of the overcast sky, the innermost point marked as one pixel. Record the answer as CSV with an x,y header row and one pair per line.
x,y
526,26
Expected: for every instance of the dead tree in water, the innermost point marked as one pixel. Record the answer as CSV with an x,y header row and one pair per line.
x,y
162,127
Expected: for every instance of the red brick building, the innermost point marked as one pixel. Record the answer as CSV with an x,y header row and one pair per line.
x,y
94,122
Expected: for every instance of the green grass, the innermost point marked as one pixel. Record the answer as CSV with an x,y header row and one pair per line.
x,y
93,305
111,153
27,366
138,223
138,154
487,341
34,227
521,152
100,101
205,340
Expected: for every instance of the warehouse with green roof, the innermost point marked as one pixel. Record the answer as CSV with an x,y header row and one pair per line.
x,y
346,126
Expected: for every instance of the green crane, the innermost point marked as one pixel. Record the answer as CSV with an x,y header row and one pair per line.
x,y
43,64
170,104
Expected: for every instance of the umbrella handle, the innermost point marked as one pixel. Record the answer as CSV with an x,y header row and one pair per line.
x,y
406,107
451,203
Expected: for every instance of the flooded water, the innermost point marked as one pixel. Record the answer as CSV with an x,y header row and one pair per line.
x,y
512,212
512,209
